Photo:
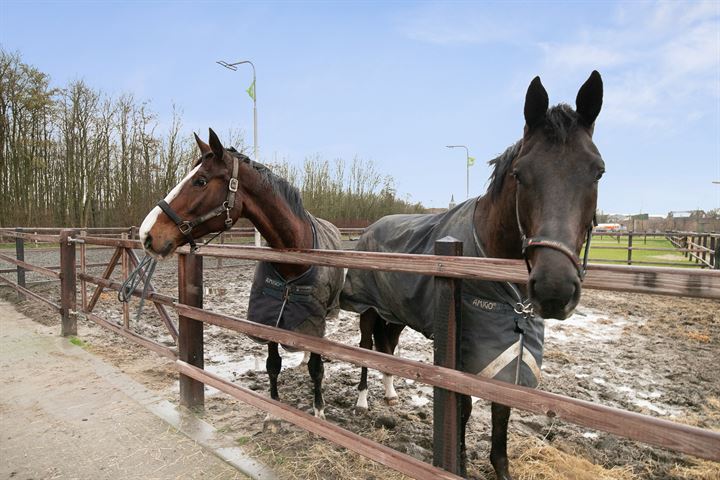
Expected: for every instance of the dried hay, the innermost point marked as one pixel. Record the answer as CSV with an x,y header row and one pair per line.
x,y
698,336
702,470
535,460
559,356
708,418
303,456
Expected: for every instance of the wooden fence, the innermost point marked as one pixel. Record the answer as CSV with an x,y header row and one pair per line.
x,y
450,268
701,249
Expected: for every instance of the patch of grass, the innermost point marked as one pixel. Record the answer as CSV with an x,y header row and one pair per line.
x,y
598,252
78,342
242,440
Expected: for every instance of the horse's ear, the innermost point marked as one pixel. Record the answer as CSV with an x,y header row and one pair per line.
x,y
536,103
216,146
204,147
589,99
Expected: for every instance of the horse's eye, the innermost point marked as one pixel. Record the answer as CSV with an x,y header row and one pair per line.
x,y
516,175
200,182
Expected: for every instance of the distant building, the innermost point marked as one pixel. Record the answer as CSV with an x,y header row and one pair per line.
x,y
609,227
452,202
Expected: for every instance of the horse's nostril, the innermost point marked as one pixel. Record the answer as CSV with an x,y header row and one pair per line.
x,y
148,241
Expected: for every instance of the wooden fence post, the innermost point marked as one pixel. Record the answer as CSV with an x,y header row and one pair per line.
x,y
83,269
716,252
630,242
68,294
125,269
447,406
190,332
222,242
20,255
704,243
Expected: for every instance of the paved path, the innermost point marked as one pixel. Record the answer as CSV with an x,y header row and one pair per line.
x,y
62,419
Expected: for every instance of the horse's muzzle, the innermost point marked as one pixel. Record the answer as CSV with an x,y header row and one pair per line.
x,y
554,296
167,247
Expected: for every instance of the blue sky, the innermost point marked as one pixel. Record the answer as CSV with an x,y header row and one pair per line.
x,y
397,81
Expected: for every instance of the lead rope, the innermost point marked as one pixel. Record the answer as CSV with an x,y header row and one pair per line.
x,y
134,278
128,287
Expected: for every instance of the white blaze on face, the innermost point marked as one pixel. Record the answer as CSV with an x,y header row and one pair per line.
x,y
151,218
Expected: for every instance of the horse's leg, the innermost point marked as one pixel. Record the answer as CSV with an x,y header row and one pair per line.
x,y
387,336
273,364
367,324
317,370
466,410
498,451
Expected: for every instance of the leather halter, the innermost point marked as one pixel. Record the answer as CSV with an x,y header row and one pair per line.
x,y
186,226
537,242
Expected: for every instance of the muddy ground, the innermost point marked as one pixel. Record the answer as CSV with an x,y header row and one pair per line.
x,y
643,353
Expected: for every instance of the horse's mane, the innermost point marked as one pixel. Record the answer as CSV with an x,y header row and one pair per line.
x,y
279,185
501,164
560,122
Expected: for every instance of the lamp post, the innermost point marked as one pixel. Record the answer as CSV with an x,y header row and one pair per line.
x,y
233,67
253,95
467,167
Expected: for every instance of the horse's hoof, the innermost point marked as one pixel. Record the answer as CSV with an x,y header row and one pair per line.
x,y
360,410
503,474
271,424
391,401
319,413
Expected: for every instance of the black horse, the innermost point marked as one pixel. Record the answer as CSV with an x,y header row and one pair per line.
x,y
540,206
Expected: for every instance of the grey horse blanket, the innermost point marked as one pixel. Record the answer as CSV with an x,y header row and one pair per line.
x,y
298,304
490,342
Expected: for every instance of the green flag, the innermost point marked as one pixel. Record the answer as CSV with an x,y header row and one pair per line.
x,y
251,90
471,161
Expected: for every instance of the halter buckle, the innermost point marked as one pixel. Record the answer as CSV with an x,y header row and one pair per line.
x,y
233,187
185,228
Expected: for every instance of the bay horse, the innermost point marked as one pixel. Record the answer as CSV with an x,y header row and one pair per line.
x,y
540,206
225,185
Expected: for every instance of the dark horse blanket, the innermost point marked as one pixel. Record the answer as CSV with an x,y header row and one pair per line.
x,y
298,304
491,329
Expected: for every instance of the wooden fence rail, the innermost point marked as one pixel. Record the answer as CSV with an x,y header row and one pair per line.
x,y
454,268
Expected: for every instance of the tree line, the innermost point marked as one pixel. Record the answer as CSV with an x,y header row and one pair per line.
x,y
74,156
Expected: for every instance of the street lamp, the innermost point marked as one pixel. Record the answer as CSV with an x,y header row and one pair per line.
x,y
253,95
252,91
467,166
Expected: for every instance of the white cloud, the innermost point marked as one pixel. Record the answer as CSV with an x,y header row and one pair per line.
x,y
655,58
